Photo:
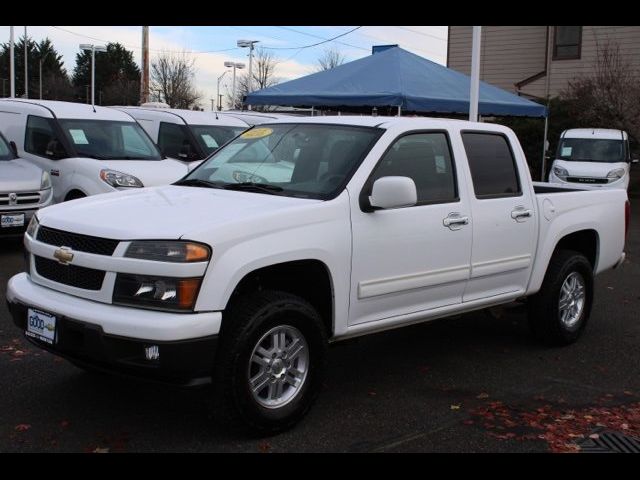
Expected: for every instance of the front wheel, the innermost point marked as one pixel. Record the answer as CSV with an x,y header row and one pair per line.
x,y
270,363
559,312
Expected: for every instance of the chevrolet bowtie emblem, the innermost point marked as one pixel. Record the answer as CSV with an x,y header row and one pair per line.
x,y
64,255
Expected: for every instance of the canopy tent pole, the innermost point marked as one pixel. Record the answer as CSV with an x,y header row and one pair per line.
x,y
544,147
475,74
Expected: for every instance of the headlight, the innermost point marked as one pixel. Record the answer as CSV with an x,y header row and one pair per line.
x,y
45,181
119,179
33,226
159,293
616,174
244,177
560,172
168,251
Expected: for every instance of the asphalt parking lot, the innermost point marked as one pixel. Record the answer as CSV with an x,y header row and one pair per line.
x,y
476,383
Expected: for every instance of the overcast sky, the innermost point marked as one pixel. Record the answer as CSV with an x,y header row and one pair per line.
x,y
212,46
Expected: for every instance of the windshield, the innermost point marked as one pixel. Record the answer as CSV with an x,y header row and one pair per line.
x,y
109,140
591,150
211,137
5,150
298,160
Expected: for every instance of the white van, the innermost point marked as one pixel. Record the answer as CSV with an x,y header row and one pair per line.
x,y
86,150
186,135
592,157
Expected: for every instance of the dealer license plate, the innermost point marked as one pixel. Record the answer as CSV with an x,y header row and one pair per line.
x,y
41,325
12,220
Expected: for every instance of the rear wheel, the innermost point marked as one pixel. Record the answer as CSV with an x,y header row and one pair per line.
x,y
559,312
270,362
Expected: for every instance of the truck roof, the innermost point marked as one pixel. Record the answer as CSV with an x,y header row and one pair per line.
x,y
182,116
70,110
389,122
605,133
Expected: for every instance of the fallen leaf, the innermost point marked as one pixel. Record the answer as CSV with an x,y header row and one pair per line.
x,y
625,426
483,395
22,427
264,447
455,407
594,436
372,393
64,423
100,450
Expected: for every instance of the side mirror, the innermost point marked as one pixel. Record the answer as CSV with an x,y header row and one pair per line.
x,y
14,148
393,192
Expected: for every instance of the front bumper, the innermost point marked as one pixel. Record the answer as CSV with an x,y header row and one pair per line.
x,y
620,183
113,338
16,231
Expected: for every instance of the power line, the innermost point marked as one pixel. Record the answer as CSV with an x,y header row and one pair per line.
x,y
138,47
321,38
421,33
314,44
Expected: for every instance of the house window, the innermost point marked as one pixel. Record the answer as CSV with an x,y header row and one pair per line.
x,y
566,43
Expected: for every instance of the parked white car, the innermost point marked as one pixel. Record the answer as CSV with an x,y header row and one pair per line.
x,y
24,188
186,135
383,222
86,151
592,157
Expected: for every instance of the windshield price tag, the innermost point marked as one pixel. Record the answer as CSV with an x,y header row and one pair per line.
x,y
79,138
566,151
209,141
257,133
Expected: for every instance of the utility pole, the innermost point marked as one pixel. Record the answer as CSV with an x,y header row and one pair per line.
x,y
26,73
144,83
475,74
12,66
42,59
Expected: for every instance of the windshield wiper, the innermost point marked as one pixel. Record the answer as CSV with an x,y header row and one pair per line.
x,y
256,187
92,155
196,182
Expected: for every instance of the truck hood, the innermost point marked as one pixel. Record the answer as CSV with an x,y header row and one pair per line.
x,y
150,172
589,169
166,212
19,176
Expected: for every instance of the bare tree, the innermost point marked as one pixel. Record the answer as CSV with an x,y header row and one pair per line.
x,y
172,80
608,96
264,75
331,58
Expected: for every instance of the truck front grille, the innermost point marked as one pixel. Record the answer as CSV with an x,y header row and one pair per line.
x,y
22,198
73,275
76,241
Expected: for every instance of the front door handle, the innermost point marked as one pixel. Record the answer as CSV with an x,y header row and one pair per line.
x,y
519,214
455,221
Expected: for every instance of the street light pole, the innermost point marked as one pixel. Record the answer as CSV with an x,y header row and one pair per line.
x,y
235,65
94,49
250,44
26,73
12,65
218,90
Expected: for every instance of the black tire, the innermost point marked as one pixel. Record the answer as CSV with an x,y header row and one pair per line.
x,y
543,308
246,321
73,195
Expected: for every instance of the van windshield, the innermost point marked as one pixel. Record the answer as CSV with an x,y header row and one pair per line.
x,y
109,140
211,137
591,150
297,160
5,150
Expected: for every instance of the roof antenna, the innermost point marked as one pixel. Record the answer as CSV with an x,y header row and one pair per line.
x,y
216,112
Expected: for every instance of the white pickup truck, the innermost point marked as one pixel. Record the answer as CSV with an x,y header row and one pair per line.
x,y
381,223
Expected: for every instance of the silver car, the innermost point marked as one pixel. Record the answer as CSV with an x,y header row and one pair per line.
x,y
24,188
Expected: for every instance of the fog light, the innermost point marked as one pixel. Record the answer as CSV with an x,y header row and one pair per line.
x,y
152,352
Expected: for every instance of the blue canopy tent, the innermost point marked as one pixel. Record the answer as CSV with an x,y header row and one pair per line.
x,y
395,77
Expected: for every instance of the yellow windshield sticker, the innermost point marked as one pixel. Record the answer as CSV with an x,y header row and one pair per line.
x,y
257,133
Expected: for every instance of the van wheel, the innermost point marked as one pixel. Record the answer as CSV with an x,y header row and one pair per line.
x,y
558,313
74,194
270,362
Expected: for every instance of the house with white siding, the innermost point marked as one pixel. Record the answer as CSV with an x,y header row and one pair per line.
x,y
539,61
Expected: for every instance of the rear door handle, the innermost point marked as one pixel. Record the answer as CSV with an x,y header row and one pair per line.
x,y
519,214
455,221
